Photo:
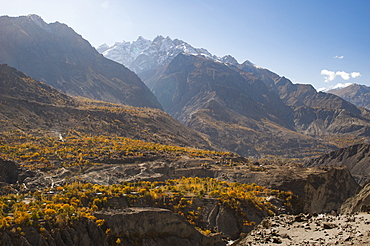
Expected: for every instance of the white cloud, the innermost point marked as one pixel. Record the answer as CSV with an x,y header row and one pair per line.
x,y
344,75
330,75
355,74
338,57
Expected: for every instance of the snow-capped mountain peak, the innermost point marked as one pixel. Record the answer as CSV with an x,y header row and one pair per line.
x,y
143,54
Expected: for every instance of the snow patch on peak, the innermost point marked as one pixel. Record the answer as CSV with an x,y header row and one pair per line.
x,y
335,87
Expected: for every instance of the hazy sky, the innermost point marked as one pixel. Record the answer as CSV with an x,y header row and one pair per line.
x,y
321,42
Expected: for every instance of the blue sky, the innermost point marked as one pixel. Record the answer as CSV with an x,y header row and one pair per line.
x,y
320,42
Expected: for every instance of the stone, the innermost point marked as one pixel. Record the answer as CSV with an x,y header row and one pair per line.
x,y
328,225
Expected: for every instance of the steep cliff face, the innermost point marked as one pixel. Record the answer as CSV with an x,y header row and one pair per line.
x,y
358,203
356,158
321,191
152,226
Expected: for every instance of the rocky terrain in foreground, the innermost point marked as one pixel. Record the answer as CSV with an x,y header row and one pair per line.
x,y
316,229
350,227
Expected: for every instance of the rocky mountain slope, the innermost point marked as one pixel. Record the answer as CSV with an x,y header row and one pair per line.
x,y
357,94
231,107
314,113
231,102
225,103
29,105
56,55
356,158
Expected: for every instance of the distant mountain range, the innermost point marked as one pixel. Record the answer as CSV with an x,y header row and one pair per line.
x,y
244,108
357,94
230,106
58,56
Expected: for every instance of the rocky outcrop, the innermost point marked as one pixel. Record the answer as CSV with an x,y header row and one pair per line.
x,y
356,158
358,203
9,171
327,192
152,226
218,217
306,229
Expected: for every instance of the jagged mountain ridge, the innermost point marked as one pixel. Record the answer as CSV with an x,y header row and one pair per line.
x,y
357,94
56,55
143,54
148,59
29,105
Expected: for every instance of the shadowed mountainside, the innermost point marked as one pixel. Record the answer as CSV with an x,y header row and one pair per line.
x,y
56,55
